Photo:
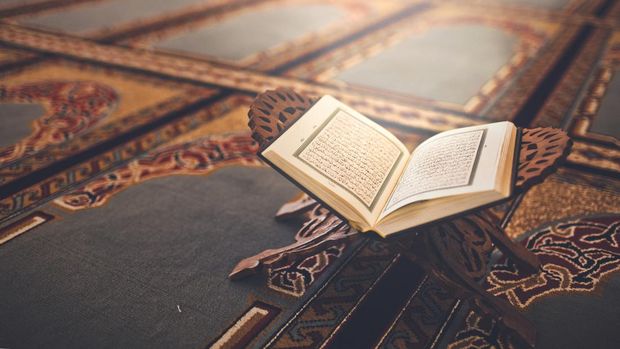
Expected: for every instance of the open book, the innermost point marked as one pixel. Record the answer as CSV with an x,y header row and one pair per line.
x,y
365,174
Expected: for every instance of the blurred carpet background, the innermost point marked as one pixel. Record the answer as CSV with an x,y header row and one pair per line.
x,y
129,185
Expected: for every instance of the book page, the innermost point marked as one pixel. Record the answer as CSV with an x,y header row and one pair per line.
x,y
345,159
352,155
439,165
450,173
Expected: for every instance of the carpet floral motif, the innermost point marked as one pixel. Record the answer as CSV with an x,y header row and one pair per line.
x,y
197,157
71,107
294,277
481,332
575,254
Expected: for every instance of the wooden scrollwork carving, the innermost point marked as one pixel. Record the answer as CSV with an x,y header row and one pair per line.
x,y
320,230
541,150
465,240
273,111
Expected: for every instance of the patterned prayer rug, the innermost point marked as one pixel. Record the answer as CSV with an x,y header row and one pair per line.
x,y
129,185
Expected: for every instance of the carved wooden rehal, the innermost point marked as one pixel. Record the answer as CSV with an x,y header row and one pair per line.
x,y
454,250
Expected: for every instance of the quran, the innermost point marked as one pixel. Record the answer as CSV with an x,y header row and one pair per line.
x,y
367,176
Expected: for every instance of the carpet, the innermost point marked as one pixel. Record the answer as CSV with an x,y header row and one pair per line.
x,y
130,186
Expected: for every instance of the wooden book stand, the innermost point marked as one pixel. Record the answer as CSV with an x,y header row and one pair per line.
x,y
455,250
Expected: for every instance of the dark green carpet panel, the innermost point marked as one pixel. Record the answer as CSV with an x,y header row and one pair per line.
x,y
130,186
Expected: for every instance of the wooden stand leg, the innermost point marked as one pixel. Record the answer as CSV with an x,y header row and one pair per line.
x,y
321,230
525,259
491,305
446,270
296,207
